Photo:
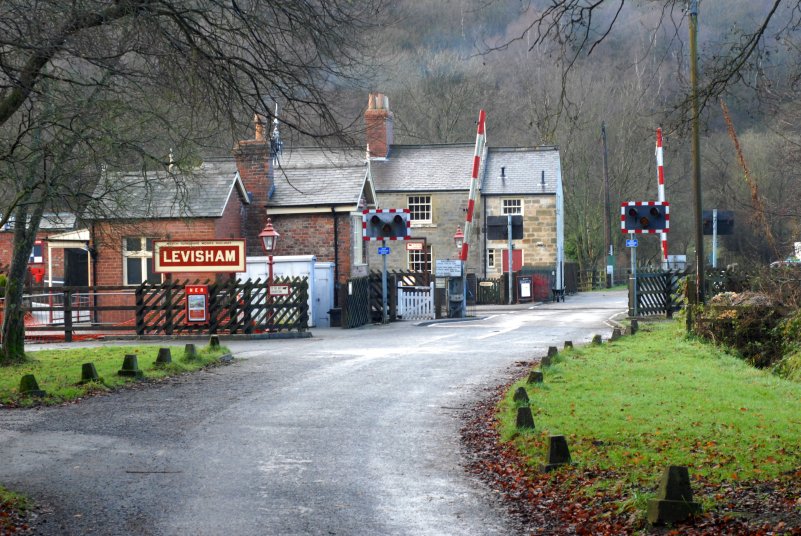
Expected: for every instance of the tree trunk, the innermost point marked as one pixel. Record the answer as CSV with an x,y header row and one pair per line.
x,y
13,349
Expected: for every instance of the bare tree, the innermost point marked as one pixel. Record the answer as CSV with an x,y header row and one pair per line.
x,y
93,83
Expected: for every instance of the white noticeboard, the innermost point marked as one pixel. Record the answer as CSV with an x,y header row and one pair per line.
x,y
448,268
525,289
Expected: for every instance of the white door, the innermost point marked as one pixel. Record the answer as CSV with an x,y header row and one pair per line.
x,y
323,293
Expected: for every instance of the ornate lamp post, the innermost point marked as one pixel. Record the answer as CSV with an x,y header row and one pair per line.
x,y
458,239
269,239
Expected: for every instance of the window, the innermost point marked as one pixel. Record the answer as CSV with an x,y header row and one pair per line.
x,y
512,206
420,208
137,267
420,260
36,253
491,256
358,240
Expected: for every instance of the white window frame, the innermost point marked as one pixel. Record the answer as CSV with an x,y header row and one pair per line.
x,y
513,206
492,255
418,256
143,254
358,240
422,201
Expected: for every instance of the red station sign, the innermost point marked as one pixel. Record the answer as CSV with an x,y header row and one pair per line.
x,y
198,256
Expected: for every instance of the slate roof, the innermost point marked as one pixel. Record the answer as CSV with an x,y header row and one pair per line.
x,y
425,168
318,176
201,193
430,168
524,171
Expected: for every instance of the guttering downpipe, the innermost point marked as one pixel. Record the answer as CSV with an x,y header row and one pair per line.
x,y
336,257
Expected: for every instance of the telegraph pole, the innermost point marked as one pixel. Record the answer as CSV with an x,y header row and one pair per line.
x,y
607,215
696,154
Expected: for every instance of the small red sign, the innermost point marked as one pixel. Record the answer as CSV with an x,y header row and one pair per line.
x,y
196,298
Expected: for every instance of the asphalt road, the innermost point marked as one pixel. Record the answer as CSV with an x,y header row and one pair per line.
x,y
349,432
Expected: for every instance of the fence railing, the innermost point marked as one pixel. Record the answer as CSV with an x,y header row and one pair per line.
x,y
233,306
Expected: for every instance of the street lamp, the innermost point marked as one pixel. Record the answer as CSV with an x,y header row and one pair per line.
x,y
458,239
269,238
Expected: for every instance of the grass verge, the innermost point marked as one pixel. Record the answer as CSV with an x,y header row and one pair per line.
x,y
58,372
13,510
631,407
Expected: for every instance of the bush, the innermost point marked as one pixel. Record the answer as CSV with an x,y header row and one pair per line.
x,y
747,322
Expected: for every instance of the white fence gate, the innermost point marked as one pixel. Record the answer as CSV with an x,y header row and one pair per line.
x,y
416,303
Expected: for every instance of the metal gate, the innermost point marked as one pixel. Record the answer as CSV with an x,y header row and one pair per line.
x,y
416,303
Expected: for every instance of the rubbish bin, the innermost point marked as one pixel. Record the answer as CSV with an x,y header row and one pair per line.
x,y
335,317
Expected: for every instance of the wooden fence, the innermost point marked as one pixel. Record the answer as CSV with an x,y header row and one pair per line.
x,y
656,293
234,306
354,299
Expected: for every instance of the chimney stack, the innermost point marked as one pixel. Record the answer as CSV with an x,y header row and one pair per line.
x,y
253,163
378,121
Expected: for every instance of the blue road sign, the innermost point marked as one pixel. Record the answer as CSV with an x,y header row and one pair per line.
x,y
383,250
631,243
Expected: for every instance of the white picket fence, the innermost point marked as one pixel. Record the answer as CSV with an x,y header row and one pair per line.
x,y
416,303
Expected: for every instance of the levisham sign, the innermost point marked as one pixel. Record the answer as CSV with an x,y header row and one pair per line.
x,y
199,256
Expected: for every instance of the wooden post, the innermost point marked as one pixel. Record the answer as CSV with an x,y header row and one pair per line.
x,y
168,295
140,309
67,314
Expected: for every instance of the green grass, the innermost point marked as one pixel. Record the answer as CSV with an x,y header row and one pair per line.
x,y
59,371
641,403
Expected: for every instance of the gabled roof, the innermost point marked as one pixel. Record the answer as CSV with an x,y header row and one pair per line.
x,y
51,221
526,171
424,168
202,192
310,176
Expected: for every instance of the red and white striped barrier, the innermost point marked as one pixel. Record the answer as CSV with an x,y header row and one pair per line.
x,y
660,176
471,202
405,212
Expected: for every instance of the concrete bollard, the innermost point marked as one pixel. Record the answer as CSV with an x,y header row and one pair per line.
x,y
674,498
89,373
557,453
214,342
130,367
552,351
28,386
520,395
164,357
535,376
524,418
568,344
597,340
615,334
190,352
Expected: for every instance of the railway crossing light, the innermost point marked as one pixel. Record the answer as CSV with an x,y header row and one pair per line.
x,y
645,217
385,224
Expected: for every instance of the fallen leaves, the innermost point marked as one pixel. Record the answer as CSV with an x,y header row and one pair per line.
x,y
576,500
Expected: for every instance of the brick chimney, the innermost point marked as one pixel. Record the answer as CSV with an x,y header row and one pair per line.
x,y
378,120
253,163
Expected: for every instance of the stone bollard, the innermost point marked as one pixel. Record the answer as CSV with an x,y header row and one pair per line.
x,y
557,453
615,334
130,367
214,342
635,326
596,340
164,357
524,418
28,386
535,376
520,395
190,352
568,344
674,498
552,351
545,361
89,373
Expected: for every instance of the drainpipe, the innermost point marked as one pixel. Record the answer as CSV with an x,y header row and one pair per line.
x,y
336,257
